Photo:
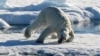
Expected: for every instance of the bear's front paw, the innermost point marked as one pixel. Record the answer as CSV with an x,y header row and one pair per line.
x,y
70,40
61,40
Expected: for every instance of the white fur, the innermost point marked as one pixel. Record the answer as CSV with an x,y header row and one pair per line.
x,y
55,21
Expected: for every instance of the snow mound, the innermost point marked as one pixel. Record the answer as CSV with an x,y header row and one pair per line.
x,y
95,12
4,25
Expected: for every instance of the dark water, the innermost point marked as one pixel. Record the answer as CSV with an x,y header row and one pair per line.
x,y
92,26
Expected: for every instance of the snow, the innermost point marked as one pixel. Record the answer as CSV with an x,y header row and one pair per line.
x,y
4,24
16,44
85,18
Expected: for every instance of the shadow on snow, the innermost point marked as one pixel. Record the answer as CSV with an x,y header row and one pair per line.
x,y
24,42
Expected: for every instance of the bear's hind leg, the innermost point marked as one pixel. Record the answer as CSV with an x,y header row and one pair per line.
x,y
27,33
37,24
54,35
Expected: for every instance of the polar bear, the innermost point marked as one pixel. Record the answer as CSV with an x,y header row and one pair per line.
x,y
55,21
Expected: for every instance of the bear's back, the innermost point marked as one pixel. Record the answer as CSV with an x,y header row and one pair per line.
x,y
53,14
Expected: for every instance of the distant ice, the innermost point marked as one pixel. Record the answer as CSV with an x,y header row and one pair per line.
x,y
4,25
77,13
2,3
